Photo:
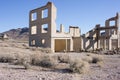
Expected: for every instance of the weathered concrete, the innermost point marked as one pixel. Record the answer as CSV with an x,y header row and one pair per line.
x,y
47,37
107,37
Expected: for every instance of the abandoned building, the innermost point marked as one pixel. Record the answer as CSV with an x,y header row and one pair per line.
x,y
42,33
45,17
103,37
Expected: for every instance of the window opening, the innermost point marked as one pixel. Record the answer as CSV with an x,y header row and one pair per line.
x,y
45,13
34,16
44,28
33,30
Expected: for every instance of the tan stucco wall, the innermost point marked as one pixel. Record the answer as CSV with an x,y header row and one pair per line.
x,y
62,45
77,44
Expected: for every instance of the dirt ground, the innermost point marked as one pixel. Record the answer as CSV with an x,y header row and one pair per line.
x,y
110,69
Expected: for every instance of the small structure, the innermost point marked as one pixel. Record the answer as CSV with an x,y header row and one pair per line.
x,y
42,31
3,36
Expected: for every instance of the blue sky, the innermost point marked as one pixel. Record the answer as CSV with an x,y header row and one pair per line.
x,y
83,13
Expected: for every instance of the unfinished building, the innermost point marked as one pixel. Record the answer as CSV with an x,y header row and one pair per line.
x,y
103,37
42,31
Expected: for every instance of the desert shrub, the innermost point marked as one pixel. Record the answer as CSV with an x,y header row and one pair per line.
x,y
79,66
43,50
46,50
44,60
22,59
89,54
63,58
25,46
87,59
36,58
100,64
26,64
33,48
5,57
48,61
97,58
4,44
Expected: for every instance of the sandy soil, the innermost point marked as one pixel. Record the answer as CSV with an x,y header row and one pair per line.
x,y
109,71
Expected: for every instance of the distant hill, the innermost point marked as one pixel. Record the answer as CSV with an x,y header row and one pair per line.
x,y
18,34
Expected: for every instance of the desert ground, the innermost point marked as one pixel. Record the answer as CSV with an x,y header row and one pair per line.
x,y
109,69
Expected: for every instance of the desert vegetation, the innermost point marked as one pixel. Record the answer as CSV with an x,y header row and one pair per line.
x,y
40,59
27,56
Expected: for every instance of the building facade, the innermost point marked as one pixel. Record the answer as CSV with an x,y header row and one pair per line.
x,y
42,30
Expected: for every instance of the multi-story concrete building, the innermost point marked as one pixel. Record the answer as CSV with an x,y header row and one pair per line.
x,y
43,30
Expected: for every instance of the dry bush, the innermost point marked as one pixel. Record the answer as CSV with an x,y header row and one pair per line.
x,y
26,46
22,59
88,59
89,54
43,50
97,58
49,61
44,60
79,66
6,57
63,58
4,44
100,64
36,58
46,50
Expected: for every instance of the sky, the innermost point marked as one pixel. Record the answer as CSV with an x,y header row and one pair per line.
x,y
82,13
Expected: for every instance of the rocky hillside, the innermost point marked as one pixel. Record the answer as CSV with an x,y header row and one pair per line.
x,y
18,34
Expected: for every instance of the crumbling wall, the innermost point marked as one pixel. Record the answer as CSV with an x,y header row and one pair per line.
x,y
42,25
105,37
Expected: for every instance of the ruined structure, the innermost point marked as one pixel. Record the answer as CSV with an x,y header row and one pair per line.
x,y
104,37
43,32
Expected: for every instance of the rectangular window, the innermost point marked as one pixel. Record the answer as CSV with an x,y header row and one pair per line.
x,y
45,13
44,28
43,41
112,23
34,16
33,42
102,32
33,30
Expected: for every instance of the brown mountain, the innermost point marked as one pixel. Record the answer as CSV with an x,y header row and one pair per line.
x,y
18,34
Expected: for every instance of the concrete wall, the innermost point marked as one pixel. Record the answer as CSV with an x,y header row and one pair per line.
x,y
48,38
62,45
77,44
42,37
108,39
89,41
